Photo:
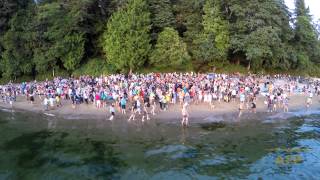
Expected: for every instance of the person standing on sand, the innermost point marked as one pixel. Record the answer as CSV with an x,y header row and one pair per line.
x,y
112,112
310,96
253,107
153,107
51,102
123,103
46,103
138,105
98,101
85,97
145,112
242,100
58,101
11,101
32,97
185,115
133,111
308,102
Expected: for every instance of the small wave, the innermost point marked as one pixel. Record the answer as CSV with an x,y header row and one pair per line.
x,y
7,110
307,128
48,114
213,126
216,119
288,115
167,150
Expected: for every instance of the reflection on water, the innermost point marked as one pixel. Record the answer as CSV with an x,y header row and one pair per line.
x,y
41,147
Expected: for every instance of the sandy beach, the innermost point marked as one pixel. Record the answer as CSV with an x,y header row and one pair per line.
x,y
200,113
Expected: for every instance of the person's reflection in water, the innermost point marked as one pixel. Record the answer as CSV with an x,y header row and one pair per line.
x,y
138,125
184,134
240,113
12,115
52,123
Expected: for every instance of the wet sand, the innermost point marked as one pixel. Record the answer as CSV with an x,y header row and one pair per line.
x,y
200,113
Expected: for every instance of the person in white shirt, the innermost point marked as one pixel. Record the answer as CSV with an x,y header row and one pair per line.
x,y
112,112
51,102
309,99
233,95
45,103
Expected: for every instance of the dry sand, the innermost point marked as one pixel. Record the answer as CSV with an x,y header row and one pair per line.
x,y
200,113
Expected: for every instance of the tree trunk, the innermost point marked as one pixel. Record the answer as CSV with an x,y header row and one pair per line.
x,y
52,72
249,66
237,61
130,72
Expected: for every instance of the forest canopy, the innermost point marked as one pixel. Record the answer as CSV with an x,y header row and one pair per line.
x,y
44,38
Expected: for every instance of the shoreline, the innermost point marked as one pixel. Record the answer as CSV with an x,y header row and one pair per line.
x,y
202,113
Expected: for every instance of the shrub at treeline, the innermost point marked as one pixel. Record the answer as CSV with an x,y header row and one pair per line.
x,y
64,37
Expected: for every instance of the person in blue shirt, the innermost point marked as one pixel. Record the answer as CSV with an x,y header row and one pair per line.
x,y
123,103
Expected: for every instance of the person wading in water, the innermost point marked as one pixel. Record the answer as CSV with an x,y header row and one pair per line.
x,y
185,115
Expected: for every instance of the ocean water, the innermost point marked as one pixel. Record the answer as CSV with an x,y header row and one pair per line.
x,y
38,146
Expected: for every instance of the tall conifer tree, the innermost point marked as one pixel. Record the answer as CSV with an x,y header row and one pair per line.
x,y
127,40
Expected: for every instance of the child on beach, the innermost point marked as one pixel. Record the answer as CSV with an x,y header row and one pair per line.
x,y
112,112
31,98
58,101
253,107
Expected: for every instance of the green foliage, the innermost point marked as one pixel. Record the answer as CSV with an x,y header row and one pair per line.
x,y
261,33
94,67
65,37
126,40
61,37
7,10
17,56
74,52
213,42
170,51
260,47
48,76
306,39
188,21
161,14
214,23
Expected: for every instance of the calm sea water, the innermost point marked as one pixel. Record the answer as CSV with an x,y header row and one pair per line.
x,y
34,146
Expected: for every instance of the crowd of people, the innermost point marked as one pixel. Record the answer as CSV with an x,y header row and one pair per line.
x,y
142,95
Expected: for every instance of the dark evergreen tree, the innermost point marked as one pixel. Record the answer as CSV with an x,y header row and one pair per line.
x,y
170,51
214,41
189,18
306,42
258,33
126,42
161,16
16,38
61,35
70,36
